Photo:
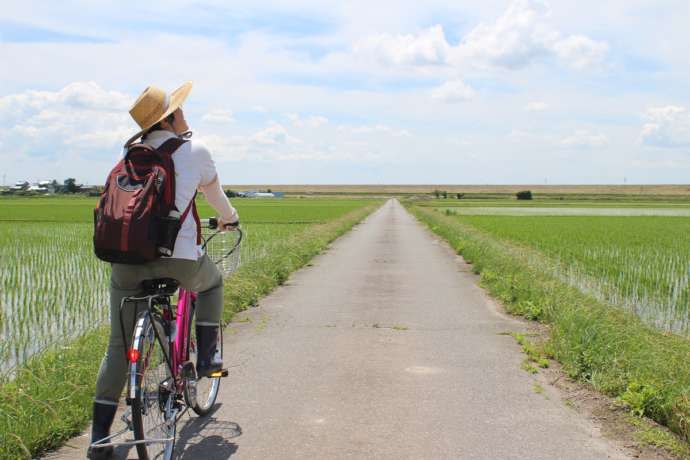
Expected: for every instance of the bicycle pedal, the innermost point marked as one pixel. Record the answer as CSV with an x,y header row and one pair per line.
x,y
220,373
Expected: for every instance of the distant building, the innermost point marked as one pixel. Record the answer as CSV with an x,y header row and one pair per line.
x,y
43,187
48,185
91,190
20,186
259,194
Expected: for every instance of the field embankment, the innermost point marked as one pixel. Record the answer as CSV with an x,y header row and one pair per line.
x,y
48,399
612,349
594,191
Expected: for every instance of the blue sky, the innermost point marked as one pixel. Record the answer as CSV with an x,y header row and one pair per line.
x,y
497,91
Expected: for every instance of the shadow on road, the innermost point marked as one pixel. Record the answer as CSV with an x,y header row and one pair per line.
x,y
207,438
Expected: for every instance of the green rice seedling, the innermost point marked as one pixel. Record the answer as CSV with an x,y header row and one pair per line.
x,y
53,289
637,263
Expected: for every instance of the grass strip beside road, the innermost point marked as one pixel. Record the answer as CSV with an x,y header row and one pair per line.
x,y
610,349
50,398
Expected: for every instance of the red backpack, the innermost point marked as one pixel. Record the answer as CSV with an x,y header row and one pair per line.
x,y
136,220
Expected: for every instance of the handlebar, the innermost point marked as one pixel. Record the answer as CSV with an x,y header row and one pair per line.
x,y
212,223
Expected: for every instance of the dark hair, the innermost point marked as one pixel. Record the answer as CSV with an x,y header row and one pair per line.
x,y
157,127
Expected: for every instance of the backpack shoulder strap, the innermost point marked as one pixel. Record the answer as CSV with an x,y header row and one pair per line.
x,y
171,145
192,207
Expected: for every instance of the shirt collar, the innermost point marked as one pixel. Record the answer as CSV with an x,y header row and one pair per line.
x,y
156,138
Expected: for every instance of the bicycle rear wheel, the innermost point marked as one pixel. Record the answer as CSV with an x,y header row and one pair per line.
x,y
154,406
201,393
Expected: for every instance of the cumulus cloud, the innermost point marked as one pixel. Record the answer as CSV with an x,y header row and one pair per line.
x,y
219,116
580,52
274,134
375,129
583,138
81,116
667,126
426,47
536,106
226,148
312,121
453,91
521,36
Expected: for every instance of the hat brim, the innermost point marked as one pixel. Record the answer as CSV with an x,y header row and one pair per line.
x,y
177,98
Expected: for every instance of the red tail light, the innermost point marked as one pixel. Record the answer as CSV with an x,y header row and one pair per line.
x,y
133,355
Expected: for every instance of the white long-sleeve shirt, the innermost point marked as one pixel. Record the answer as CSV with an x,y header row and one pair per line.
x,y
194,169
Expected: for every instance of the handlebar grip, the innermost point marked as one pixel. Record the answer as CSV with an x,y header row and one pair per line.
x,y
213,223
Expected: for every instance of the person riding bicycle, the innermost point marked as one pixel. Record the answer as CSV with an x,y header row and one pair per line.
x,y
161,118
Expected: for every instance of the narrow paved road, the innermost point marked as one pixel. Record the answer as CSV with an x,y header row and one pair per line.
x,y
383,348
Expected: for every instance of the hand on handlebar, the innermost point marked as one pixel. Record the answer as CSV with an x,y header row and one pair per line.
x,y
231,226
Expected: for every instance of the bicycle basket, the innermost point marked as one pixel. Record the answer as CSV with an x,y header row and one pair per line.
x,y
223,248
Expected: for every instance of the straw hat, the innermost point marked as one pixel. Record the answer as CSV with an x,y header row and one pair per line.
x,y
153,105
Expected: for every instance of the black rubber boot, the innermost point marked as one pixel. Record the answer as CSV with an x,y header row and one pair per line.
x,y
103,415
206,346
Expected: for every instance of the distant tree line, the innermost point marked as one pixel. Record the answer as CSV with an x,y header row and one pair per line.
x,y
443,194
69,185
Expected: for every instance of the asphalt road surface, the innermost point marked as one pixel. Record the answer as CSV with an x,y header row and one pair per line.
x,y
384,347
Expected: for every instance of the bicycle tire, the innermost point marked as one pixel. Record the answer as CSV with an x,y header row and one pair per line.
x,y
205,387
152,405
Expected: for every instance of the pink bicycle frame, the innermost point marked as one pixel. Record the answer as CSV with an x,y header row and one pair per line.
x,y
180,346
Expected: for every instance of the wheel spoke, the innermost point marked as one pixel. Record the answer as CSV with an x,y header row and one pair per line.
x,y
154,409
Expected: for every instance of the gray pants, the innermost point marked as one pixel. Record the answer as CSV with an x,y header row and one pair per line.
x,y
201,276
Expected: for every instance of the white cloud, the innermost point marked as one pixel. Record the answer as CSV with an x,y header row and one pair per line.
x,y
75,96
225,148
536,106
668,126
514,40
426,47
275,72
580,52
218,116
453,91
374,129
312,121
274,134
585,139
522,35
81,116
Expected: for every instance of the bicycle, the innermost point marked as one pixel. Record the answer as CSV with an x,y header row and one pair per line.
x,y
162,384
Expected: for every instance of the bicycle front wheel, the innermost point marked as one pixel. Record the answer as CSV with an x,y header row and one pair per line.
x,y
154,406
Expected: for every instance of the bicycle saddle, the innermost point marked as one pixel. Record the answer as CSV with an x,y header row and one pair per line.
x,y
161,286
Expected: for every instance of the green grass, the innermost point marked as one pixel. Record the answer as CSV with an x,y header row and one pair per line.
x,y
49,398
80,209
637,263
52,288
607,347
550,203
649,434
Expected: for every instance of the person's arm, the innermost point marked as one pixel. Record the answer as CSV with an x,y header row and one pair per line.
x,y
216,198
210,187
